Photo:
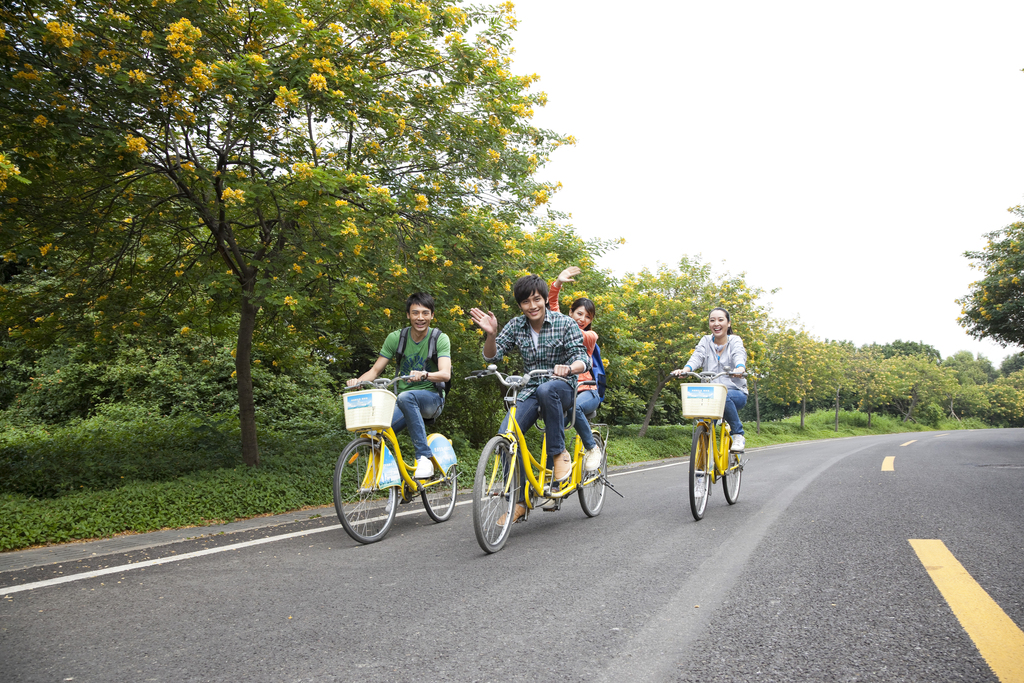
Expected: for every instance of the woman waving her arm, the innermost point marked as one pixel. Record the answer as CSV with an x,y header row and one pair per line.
x,y
583,312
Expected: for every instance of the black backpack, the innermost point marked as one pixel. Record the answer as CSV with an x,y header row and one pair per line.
x,y
442,387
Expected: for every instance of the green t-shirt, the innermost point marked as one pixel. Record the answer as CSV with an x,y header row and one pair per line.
x,y
416,356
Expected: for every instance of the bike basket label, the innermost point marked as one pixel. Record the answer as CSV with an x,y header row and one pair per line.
x,y
700,393
359,401
442,450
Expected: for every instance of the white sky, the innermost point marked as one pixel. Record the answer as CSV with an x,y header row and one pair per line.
x,y
846,153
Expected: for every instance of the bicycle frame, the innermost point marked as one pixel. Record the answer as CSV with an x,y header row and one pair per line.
x,y
517,438
719,447
389,436
536,471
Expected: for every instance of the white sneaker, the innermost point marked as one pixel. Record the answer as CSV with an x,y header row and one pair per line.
x,y
592,459
424,469
738,443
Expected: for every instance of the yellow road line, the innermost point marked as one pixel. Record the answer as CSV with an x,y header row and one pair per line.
x,y
907,443
887,464
997,638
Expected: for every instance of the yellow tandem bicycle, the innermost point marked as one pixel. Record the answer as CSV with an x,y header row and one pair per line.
x,y
496,485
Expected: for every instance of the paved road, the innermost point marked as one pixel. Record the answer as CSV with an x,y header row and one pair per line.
x,y
810,577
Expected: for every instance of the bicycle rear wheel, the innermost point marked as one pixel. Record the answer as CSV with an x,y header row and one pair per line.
x,y
365,511
731,478
700,476
495,491
591,489
439,497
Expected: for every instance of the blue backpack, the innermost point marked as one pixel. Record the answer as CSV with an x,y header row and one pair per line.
x,y
598,371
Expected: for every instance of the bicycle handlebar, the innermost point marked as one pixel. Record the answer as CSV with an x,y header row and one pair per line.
x,y
707,377
513,381
380,382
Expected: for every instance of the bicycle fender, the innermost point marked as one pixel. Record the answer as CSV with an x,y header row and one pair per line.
x,y
442,450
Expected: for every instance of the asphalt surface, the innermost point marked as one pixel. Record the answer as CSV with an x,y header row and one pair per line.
x,y
809,577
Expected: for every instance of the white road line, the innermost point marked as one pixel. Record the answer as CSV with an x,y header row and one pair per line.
x,y
150,563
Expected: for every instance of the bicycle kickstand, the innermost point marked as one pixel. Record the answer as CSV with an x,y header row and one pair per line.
x,y
604,480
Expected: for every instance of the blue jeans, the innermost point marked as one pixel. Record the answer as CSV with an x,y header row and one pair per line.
x,y
410,410
586,402
547,401
734,402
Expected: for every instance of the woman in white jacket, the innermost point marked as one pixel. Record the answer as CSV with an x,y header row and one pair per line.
x,y
723,351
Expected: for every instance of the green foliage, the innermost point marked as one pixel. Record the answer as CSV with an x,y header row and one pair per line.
x,y
195,168
172,376
1012,364
907,348
659,317
119,444
994,306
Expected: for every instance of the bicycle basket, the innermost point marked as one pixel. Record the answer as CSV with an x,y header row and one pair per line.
x,y
369,409
704,400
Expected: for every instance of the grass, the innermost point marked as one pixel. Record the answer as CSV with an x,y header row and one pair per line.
x,y
129,473
675,440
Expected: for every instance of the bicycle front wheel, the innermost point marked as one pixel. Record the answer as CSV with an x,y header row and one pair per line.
x,y
365,511
439,496
731,478
494,494
700,475
591,489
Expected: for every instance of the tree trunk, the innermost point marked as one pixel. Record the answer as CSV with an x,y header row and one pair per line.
x,y
757,409
909,417
837,409
651,404
952,412
803,411
243,372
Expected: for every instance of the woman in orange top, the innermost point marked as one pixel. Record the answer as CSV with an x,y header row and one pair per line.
x,y
582,311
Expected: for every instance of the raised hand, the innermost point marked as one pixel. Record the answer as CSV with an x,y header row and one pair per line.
x,y
569,273
487,322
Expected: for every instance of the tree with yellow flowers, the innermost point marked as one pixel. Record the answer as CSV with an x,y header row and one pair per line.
x,y
291,170
664,313
915,381
835,371
994,306
868,379
795,362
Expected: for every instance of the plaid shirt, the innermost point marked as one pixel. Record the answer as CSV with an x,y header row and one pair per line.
x,y
560,343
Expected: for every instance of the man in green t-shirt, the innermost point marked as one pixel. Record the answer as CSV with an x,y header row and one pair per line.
x,y
419,398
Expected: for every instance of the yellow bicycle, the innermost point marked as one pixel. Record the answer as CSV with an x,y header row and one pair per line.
x,y
371,478
710,458
496,485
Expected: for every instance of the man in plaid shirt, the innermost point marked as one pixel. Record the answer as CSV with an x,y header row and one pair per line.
x,y
547,340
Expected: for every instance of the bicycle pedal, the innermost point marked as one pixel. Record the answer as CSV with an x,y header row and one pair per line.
x,y
552,505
